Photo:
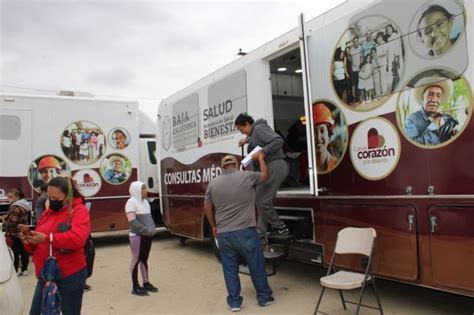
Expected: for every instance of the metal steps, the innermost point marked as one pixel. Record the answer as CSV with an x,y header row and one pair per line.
x,y
273,259
302,251
295,246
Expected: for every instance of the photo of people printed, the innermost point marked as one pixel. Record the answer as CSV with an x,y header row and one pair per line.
x,y
116,168
330,135
368,62
436,110
83,142
44,168
436,28
119,138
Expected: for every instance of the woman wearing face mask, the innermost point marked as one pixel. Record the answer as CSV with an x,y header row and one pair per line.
x,y
68,242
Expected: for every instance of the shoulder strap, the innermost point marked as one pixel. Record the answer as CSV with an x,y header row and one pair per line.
x,y
70,196
50,244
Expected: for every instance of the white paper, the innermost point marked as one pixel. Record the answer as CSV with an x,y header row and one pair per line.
x,y
246,160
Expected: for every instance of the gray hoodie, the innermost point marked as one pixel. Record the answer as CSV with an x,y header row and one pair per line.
x,y
23,203
143,224
18,213
270,142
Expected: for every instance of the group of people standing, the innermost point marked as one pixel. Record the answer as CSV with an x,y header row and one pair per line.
x,y
62,232
365,71
83,145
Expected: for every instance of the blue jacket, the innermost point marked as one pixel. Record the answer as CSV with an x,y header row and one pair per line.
x,y
421,129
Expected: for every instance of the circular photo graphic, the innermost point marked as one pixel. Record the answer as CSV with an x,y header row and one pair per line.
x,y
88,182
44,168
116,168
368,62
119,138
437,108
375,148
330,135
436,28
83,142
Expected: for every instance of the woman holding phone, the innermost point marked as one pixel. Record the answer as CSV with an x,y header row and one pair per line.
x,y
19,213
66,225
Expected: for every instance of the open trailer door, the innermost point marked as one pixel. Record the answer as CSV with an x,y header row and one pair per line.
x,y
312,173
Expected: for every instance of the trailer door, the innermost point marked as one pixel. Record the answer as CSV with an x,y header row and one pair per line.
x,y
452,245
312,173
148,168
15,150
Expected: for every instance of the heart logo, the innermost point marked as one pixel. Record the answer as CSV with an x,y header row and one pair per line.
x,y
374,140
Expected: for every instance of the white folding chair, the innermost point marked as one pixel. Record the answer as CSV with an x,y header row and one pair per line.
x,y
351,241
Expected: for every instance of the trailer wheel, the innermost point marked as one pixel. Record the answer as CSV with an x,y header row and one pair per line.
x,y
182,241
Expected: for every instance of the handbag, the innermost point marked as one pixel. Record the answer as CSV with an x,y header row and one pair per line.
x,y
89,251
9,240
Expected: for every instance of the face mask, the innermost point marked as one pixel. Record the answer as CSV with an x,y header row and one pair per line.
x,y
56,205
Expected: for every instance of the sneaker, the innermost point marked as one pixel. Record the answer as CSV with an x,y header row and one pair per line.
x,y
150,287
283,231
236,308
139,291
23,273
87,287
269,301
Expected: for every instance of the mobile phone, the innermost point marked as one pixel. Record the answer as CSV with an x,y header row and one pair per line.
x,y
26,229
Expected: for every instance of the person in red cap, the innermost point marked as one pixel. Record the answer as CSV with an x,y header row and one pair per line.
x,y
323,127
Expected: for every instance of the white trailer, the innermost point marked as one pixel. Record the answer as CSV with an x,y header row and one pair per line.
x,y
346,90
97,141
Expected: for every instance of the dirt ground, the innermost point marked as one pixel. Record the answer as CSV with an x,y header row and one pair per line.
x,y
190,281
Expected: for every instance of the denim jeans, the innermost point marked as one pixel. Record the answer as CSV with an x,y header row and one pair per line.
x,y
244,244
70,288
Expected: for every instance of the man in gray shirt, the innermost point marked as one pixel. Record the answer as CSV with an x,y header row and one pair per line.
x,y
229,205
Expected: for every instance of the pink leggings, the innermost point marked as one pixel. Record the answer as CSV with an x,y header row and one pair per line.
x,y
140,246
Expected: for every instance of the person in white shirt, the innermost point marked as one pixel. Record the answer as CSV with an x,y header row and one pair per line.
x,y
142,229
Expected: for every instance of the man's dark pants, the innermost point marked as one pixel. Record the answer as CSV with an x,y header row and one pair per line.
x,y
245,244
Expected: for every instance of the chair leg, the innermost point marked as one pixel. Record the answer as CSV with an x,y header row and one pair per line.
x,y
360,298
377,297
319,301
342,300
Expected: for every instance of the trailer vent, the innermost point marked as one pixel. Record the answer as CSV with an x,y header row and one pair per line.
x,y
75,94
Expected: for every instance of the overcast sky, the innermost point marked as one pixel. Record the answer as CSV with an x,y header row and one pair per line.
x,y
143,49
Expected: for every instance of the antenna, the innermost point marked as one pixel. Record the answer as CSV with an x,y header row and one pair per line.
x,y
241,53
